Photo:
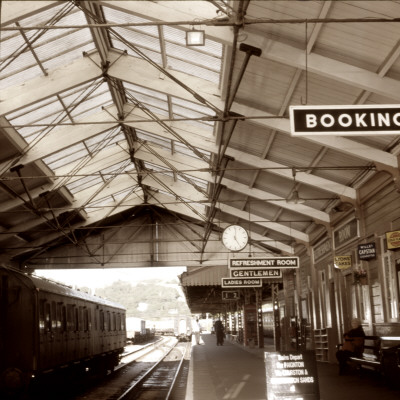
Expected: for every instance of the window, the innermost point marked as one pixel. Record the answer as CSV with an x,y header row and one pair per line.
x,y
47,318
102,321
63,318
53,317
85,319
107,326
390,283
41,316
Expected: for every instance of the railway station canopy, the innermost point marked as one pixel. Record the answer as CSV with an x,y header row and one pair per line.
x,y
121,145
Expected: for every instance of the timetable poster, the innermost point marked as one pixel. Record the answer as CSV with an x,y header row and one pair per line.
x,y
291,375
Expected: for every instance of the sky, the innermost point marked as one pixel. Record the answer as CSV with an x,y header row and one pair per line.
x,y
98,278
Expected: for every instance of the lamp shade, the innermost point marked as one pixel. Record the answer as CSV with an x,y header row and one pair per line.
x,y
195,38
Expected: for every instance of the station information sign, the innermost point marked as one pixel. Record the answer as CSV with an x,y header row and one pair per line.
x,y
345,120
291,375
241,282
264,263
230,295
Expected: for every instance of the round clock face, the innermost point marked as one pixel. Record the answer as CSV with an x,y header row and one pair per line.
x,y
235,237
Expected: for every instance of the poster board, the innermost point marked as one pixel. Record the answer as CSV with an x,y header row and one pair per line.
x,y
291,375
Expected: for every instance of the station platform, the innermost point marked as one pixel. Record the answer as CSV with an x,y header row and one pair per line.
x,y
233,371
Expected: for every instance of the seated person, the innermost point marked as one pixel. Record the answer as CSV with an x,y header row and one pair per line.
x,y
353,345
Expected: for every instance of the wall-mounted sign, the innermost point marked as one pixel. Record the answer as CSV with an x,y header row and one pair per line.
x,y
241,282
322,249
256,273
271,262
345,120
366,251
345,233
230,295
291,375
393,240
342,262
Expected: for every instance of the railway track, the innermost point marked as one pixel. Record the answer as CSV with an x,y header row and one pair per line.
x,y
163,381
127,377
152,369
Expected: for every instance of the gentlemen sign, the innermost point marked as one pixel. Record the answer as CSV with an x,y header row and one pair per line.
x,y
291,375
256,273
272,262
241,282
345,120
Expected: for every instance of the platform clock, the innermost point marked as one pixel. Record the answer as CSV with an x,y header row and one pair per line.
x,y
235,237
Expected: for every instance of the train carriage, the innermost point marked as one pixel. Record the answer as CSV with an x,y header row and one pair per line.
x,y
46,326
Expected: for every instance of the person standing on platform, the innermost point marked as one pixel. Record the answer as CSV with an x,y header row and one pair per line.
x,y
196,330
353,345
219,332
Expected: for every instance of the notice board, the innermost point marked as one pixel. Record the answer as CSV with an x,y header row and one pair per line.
x,y
291,375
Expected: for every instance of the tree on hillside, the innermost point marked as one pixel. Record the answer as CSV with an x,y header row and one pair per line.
x,y
161,300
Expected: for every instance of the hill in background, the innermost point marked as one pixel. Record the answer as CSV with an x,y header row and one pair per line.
x,y
149,299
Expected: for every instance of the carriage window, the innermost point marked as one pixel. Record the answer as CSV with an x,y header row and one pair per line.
x,y
89,316
113,322
53,316
47,318
76,319
63,319
58,316
72,317
107,322
41,316
85,319
102,320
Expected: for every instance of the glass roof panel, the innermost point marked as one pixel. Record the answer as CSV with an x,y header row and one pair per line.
x,y
182,148
119,196
152,55
66,156
192,106
199,182
99,204
194,70
135,38
109,172
194,56
84,183
120,17
184,112
103,140
145,91
147,100
46,111
15,72
149,137
202,125
18,74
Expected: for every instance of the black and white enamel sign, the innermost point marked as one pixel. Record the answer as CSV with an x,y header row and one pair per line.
x,y
291,375
345,120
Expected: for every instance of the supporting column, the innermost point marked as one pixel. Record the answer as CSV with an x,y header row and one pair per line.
x,y
277,323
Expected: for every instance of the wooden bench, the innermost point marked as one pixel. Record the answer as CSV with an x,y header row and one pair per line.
x,y
371,357
382,355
